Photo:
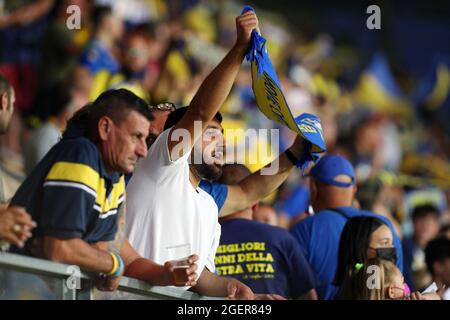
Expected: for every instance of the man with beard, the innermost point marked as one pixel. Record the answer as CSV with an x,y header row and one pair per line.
x,y
166,206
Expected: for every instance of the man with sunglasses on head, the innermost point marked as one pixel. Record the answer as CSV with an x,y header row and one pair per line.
x,y
166,206
160,113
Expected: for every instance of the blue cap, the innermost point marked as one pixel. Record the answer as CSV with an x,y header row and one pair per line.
x,y
331,166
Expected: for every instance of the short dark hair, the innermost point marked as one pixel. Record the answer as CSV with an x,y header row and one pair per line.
x,y
99,13
175,116
115,104
424,210
437,250
355,238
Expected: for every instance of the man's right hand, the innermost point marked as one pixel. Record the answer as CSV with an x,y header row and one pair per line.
x,y
107,284
189,276
245,24
15,225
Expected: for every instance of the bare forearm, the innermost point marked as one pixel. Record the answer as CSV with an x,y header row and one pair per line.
x,y
78,252
141,268
261,183
216,87
148,271
258,185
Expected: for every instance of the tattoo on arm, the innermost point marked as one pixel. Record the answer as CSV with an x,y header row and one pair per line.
x,y
116,244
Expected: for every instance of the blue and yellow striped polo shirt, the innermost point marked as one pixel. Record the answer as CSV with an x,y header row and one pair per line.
x,y
70,195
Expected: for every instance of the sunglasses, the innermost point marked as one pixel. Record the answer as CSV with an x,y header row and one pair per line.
x,y
165,106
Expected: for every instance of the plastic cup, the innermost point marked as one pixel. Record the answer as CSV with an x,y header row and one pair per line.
x,y
179,255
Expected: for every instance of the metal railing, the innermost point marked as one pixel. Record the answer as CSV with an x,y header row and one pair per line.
x,y
23,277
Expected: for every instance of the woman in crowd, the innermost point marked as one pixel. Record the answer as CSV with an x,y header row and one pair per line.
x,y
366,264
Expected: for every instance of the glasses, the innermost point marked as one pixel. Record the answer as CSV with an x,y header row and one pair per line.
x,y
165,106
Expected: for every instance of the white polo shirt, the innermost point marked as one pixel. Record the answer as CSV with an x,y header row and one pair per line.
x,y
164,209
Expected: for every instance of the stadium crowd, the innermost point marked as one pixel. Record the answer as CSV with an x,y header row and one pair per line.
x,y
116,143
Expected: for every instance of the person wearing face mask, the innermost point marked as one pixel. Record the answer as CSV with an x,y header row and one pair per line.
x,y
332,190
366,264
363,238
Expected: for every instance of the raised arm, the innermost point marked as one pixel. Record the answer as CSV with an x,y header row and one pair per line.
x,y
214,89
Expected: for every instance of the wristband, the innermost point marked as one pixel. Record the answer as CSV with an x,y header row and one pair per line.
x,y
115,264
119,268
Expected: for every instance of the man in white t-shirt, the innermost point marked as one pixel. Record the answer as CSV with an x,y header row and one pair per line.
x,y
166,206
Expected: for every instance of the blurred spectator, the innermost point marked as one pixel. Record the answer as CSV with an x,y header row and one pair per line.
x,y
100,56
22,27
8,177
367,146
295,206
61,46
134,63
376,197
135,59
15,223
48,134
437,257
8,99
332,188
108,29
266,214
425,219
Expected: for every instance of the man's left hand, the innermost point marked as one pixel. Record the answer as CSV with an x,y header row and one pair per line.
x,y
239,291
106,283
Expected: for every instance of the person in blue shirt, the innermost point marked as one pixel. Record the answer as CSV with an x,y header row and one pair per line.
x,y
425,220
264,257
295,206
108,28
332,188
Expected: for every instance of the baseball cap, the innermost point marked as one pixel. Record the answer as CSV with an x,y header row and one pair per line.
x,y
331,166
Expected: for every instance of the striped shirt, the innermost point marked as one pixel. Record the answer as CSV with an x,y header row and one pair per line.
x,y
71,195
